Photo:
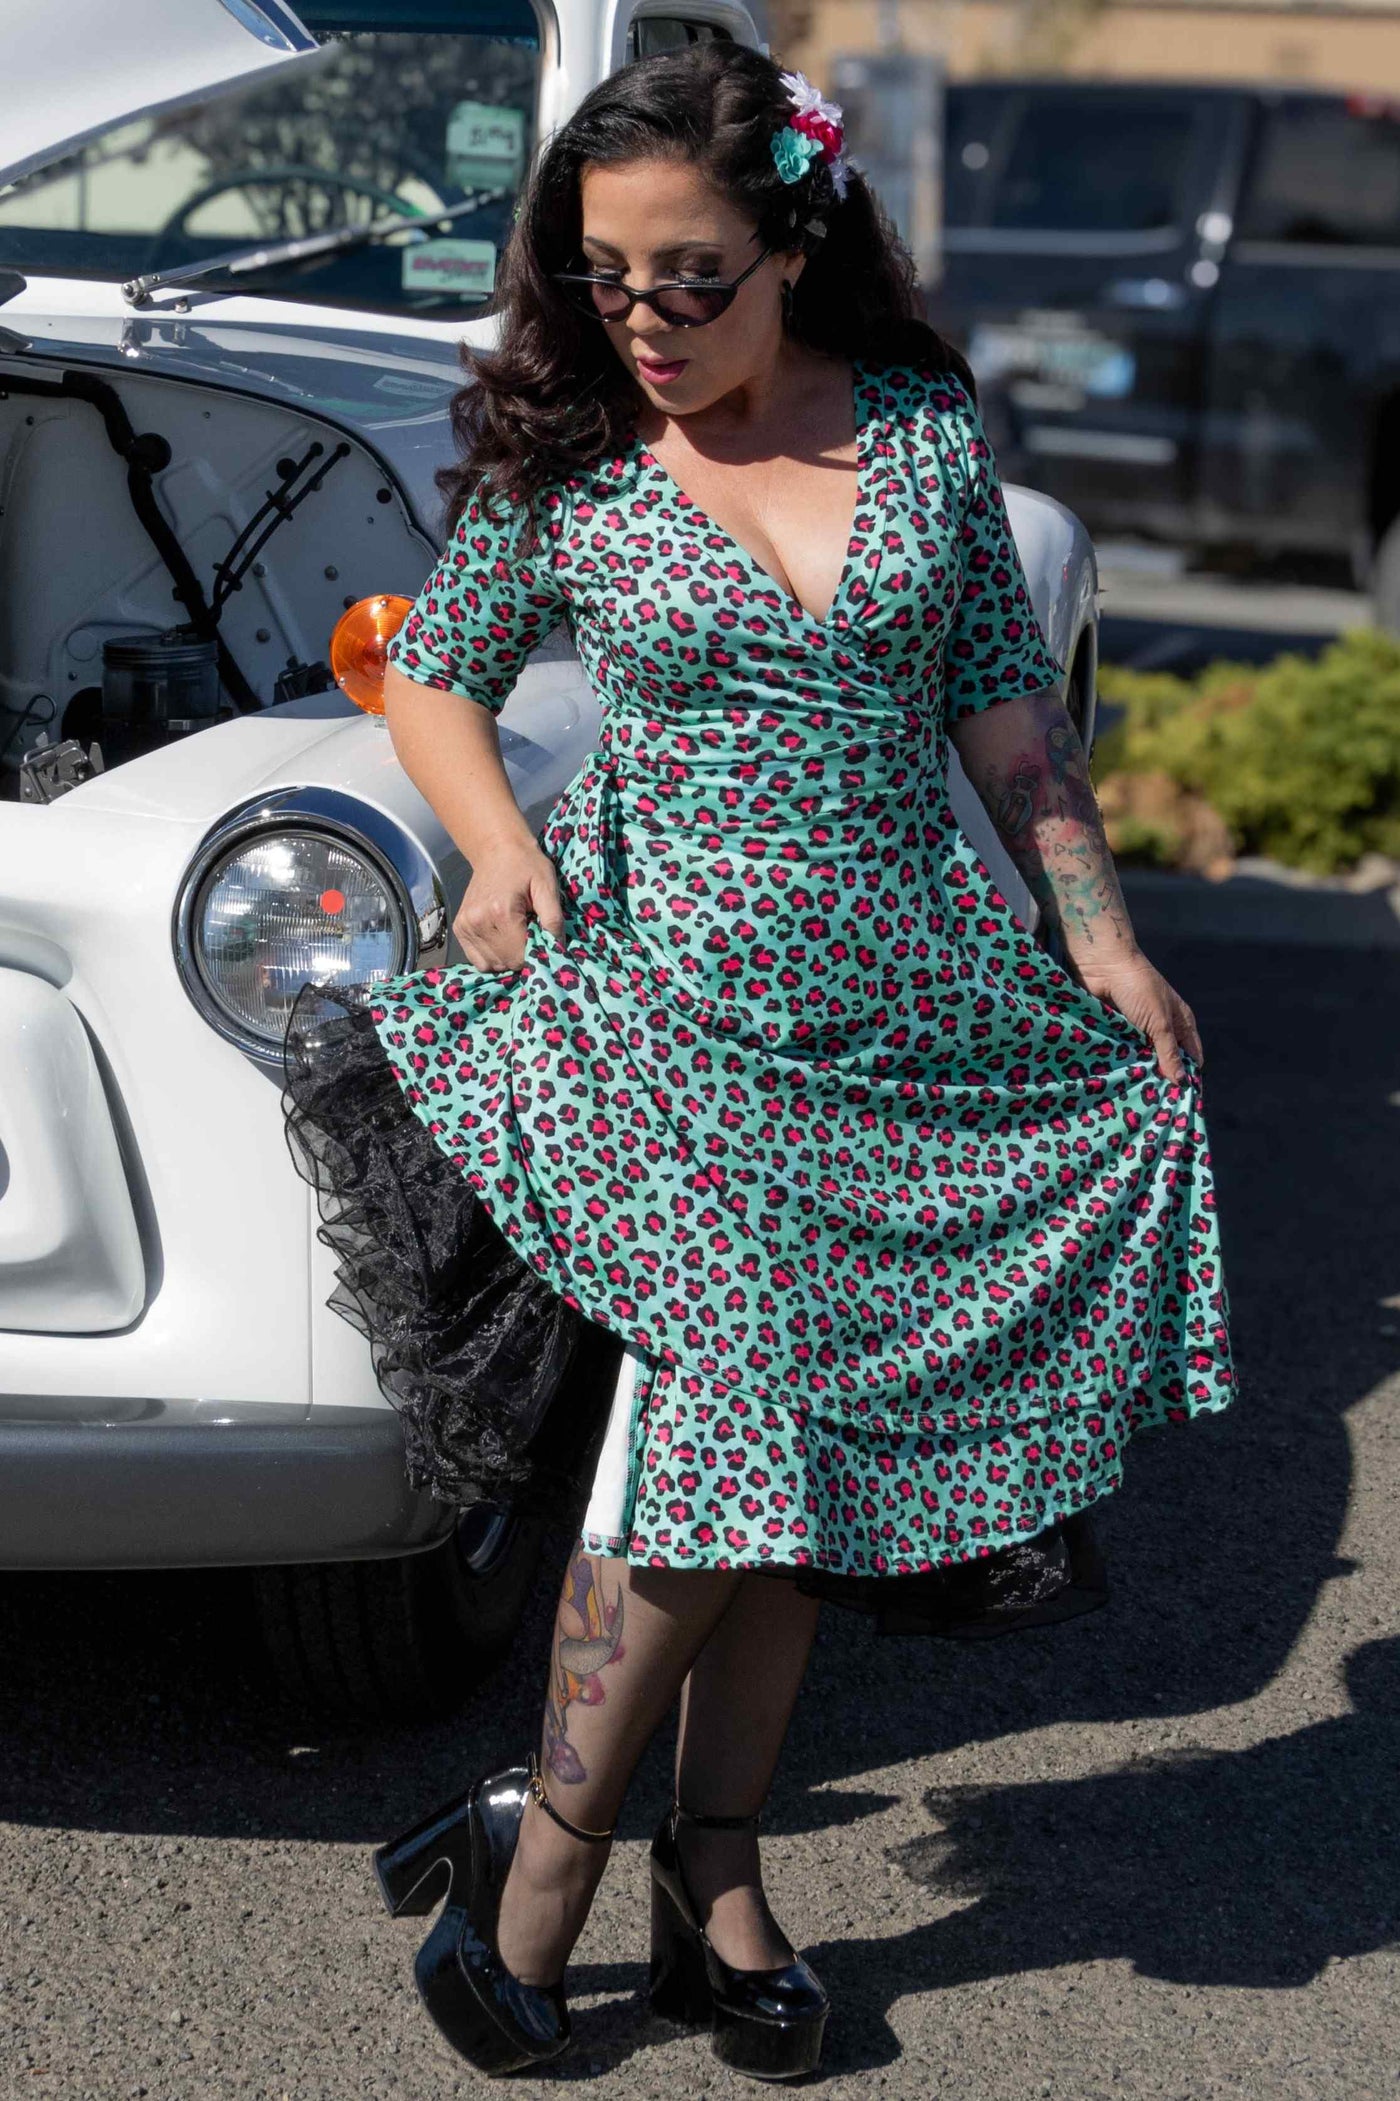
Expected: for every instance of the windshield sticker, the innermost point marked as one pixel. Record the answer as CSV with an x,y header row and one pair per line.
x,y
485,145
467,268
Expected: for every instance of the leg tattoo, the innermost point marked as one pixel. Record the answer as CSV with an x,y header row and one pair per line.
x,y
578,1658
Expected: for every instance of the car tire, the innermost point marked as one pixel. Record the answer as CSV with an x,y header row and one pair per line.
x,y
404,1639
1385,580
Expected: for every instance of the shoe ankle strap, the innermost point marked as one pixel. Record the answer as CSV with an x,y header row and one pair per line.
x,y
716,1823
536,1788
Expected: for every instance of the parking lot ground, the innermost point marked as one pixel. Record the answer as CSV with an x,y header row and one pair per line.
x,y
1273,908
1153,1855
1159,616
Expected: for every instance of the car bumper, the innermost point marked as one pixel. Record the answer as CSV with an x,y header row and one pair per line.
x,y
176,1488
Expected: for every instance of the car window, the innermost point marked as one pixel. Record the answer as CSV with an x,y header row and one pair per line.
x,y
408,108
1066,163
1327,172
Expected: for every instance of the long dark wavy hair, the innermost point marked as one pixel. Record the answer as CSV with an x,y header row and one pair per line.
x,y
553,397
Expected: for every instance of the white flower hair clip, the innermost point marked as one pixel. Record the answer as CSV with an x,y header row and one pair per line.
x,y
815,131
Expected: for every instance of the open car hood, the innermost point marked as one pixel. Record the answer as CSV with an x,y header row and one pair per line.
x,y
75,66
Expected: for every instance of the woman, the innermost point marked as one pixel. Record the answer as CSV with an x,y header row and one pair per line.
x,y
905,1228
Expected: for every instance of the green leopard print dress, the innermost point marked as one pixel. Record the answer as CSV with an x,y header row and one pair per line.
x,y
906,1227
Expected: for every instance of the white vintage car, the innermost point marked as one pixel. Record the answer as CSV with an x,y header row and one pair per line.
x,y
238,249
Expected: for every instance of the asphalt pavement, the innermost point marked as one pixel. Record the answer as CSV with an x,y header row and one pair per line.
x,y
1154,1853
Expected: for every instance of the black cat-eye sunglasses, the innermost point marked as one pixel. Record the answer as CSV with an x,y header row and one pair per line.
x,y
683,303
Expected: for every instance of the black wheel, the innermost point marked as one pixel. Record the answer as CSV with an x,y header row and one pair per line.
x,y
407,1639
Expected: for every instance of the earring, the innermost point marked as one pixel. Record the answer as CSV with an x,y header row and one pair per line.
x,y
787,303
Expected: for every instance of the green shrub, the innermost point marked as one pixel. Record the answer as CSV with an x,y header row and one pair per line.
x,y
1299,757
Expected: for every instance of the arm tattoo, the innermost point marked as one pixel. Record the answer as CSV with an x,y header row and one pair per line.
x,y
578,1658
1036,788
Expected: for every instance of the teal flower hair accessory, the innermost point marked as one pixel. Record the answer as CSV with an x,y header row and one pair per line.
x,y
792,150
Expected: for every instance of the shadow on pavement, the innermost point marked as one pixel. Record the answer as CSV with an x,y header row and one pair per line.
x,y
1244,1869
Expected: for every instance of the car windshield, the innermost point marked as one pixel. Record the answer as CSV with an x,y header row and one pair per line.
x,y
1067,162
408,108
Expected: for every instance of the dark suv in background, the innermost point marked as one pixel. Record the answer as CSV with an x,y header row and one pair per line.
x,y
1182,304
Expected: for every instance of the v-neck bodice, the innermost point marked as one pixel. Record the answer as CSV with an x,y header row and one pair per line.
x,y
865,400
681,631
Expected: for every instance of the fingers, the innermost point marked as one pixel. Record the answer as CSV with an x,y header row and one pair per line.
x,y
1188,1032
1170,1026
1168,1056
1176,1034
492,931
493,922
500,947
1170,1037
544,896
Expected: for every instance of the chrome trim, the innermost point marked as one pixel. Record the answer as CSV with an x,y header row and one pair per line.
x,y
323,1485
386,844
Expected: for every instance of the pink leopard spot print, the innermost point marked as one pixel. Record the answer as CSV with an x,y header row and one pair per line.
x,y
912,1231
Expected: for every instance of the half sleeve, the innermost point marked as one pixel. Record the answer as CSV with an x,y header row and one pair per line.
x,y
995,648
481,612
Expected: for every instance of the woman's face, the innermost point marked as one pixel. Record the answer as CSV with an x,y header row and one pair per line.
x,y
647,222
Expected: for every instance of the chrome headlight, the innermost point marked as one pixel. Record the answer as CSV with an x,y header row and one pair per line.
x,y
303,883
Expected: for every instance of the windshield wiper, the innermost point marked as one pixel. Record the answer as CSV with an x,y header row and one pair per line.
x,y
239,262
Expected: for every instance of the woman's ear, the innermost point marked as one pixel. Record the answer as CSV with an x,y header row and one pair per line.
x,y
794,263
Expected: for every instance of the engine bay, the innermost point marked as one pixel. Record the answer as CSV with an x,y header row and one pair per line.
x,y
172,555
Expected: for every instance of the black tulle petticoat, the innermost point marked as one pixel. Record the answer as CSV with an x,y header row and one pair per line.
x,y
468,1343
1055,1575
503,1389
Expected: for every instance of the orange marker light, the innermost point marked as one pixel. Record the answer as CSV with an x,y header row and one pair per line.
x,y
359,648
332,901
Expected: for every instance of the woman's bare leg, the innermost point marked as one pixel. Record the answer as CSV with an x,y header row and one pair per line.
x,y
736,1704
624,1639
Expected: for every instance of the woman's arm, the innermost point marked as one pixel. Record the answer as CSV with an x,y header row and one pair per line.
x,y
1025,759
449,748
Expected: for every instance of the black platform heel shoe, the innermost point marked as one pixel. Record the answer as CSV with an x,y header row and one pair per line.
x,y
767,2023
463,1851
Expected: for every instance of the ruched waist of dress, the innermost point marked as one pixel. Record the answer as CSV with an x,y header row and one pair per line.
x,y
721,786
